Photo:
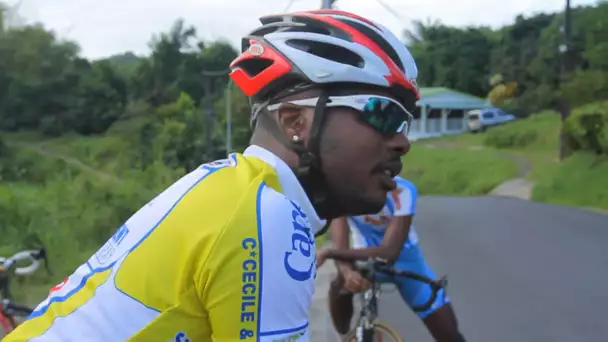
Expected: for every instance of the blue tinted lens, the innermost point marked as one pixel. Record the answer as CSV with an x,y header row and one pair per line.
x,y
386,116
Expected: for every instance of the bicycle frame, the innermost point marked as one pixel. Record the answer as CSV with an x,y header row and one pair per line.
x,y
364,330
369,310
8,266
7,322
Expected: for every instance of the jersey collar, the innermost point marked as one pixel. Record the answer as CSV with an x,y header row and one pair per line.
x,y
292,188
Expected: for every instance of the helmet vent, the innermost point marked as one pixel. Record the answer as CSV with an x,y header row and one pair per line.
x,y
328,51
310,29
378,39
254,66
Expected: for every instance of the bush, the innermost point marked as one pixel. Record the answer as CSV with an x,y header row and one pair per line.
x,y
539,131
587,128
25,164
508,138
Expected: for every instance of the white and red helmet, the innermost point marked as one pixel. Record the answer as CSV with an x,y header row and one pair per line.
x,y
322,47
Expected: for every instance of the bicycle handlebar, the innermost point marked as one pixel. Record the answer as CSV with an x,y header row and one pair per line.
x,y
34,256
380,266
15,309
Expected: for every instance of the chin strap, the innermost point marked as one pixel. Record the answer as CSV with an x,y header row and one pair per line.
x,y
309,170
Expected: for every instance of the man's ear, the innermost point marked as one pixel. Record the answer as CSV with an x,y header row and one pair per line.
x,y
294,122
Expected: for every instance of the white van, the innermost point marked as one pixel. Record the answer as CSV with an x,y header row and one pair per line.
x,y
480,119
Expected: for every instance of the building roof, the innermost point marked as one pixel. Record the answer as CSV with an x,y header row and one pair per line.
x,y
440,97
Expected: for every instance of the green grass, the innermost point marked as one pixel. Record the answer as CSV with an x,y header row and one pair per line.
x,y
455,171
539,132
580,180
464,140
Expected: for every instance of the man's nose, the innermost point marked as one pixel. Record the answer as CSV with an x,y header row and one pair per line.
x,y
399,143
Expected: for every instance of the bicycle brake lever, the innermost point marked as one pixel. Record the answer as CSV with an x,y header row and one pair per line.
x,y
42,255
443,282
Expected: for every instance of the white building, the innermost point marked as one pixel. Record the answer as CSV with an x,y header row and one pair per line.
x,y
441,111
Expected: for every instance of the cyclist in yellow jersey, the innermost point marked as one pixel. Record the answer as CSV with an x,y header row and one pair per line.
x,y
227,253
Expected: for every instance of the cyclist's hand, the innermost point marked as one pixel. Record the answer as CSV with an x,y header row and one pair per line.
x,y
321,256
355,282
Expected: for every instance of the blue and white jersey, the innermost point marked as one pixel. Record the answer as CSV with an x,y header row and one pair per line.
x,y
368,230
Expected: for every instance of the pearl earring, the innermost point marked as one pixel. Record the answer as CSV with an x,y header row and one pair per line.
x,y
295,138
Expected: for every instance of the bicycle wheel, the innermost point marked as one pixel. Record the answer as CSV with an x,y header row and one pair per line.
x,y
380,333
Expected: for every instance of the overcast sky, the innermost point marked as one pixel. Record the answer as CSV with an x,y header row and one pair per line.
x,y
106,27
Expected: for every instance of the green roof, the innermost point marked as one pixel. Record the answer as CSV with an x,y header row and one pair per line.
x,y
441,97
430,91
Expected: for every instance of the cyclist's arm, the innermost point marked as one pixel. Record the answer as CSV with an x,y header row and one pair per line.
x,y
389,250
403,206
340,236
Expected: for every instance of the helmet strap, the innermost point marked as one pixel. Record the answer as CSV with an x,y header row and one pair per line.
x,y
309,169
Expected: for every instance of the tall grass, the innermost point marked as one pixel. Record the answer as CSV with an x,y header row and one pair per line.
x,y
455,171
581,180
537,132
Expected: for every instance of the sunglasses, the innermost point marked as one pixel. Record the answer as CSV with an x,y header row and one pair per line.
x,y
383,113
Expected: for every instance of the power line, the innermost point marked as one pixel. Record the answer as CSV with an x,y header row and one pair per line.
x,y
289,5
393,12
327,4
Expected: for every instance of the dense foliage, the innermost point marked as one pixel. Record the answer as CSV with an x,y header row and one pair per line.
x,y
46,86
524,55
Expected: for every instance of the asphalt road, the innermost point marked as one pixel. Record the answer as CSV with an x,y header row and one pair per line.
x,y
518,271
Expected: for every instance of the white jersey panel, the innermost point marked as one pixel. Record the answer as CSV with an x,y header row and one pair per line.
x,y
288,269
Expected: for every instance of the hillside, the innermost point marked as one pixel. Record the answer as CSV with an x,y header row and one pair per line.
x,y
531,145
126,63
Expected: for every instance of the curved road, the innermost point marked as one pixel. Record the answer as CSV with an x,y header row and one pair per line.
x,y
518,271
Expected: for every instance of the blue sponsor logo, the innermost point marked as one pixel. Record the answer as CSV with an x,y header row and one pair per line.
x,y
181,337
299,262
249,287
120,234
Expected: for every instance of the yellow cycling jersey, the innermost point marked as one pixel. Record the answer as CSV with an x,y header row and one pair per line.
x,y
227,253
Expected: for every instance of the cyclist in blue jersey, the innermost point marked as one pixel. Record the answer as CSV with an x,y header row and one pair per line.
x,y
388,235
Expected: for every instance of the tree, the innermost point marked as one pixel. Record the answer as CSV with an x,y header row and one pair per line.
x,y
450,57
157,78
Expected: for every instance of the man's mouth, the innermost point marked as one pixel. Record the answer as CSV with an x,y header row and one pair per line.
x,y
391,169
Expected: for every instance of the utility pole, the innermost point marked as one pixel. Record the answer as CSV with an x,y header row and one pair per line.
x,y
326,4
209,118
228,97
566,67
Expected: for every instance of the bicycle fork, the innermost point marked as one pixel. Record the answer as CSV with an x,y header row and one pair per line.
x,y
369,312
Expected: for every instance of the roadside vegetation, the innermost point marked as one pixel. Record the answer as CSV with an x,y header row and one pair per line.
x,y
440,171
581,179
